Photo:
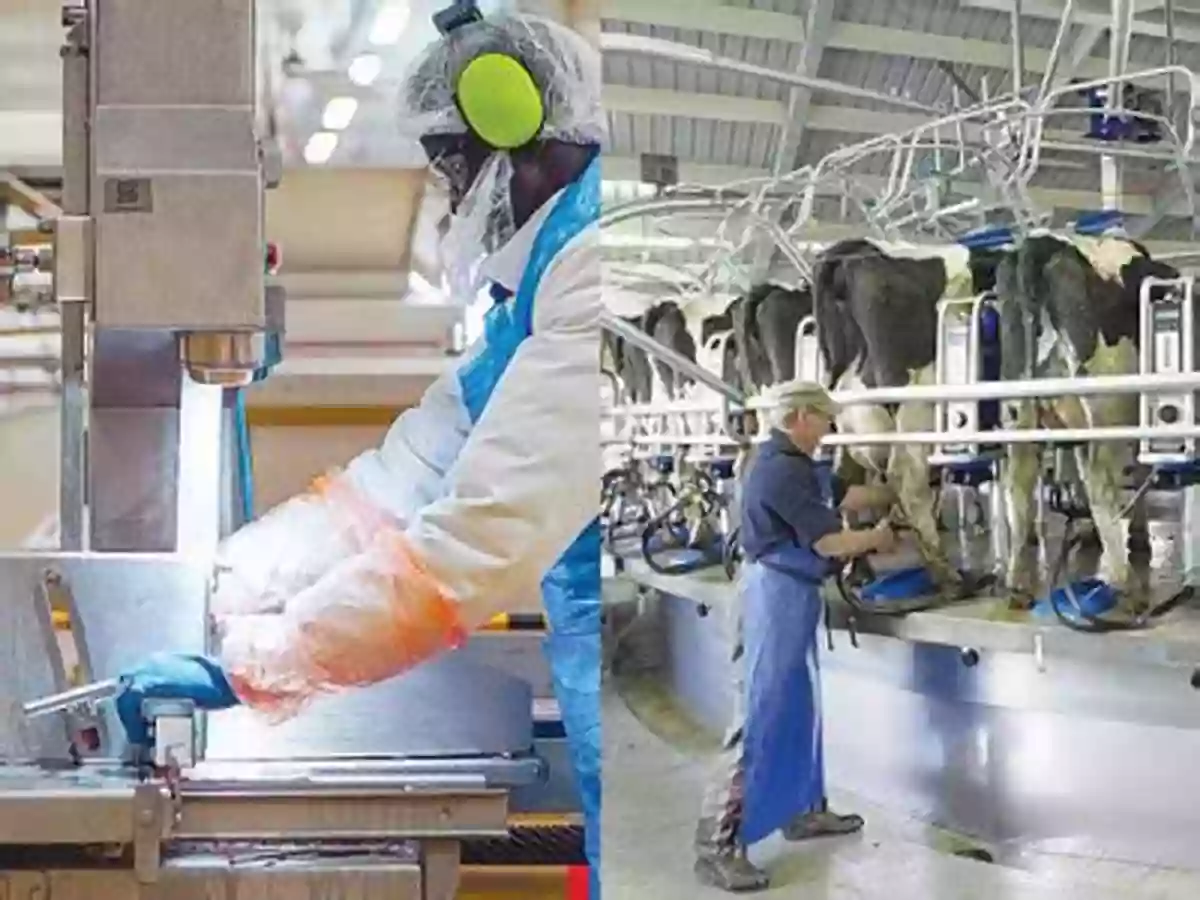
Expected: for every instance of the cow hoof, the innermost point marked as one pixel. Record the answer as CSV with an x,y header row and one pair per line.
x,y
1019,600
1131,605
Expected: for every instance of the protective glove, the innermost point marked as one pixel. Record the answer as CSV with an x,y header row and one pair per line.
x,y
171,676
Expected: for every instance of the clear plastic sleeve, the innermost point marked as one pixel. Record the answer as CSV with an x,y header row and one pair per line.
x,y
372,616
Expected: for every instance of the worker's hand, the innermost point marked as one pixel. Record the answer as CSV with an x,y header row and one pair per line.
x,y
884,537
171,676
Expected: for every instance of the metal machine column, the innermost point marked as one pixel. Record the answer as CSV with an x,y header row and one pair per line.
x,y
160,268
174,190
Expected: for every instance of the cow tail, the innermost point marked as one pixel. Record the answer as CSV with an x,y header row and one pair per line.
x,y
828,304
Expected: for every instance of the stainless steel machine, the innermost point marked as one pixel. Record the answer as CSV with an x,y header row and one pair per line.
x,y
160,277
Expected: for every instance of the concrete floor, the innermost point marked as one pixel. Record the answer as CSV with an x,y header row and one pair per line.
x,y
653,779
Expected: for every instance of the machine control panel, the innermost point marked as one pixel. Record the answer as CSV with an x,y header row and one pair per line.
x,y
958,361
1167,332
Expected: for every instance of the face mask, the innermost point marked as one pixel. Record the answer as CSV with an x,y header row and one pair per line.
x,y
483,224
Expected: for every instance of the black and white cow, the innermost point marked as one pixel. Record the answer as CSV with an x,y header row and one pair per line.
x,y
876,313
759,349
631,365
765,322
877,322
666,323
1082,296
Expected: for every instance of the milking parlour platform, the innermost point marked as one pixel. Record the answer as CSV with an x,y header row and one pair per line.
x,y
1011,728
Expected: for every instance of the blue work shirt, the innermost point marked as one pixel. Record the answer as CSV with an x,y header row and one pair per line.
x,y
782,505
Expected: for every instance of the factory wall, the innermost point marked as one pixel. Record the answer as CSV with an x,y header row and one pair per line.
x,y
288,456
286,459
28,472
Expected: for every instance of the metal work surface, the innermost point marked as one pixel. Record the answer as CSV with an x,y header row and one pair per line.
x,y
461,705
458,705
129,607
96,804
1070,753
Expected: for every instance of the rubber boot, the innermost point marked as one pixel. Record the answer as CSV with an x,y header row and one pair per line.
x,y
821,823
724,865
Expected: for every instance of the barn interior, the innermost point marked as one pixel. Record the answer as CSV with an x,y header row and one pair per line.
x,y
999,742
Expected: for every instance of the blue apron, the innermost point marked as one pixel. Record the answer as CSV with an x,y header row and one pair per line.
x,y
781,618
571,589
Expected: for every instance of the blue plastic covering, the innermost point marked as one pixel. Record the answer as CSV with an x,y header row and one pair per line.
x,y
722,468
245,457
899,584
1175,476
663,463
1094,597
784,774
988,238
1096,223
1103,127
571,589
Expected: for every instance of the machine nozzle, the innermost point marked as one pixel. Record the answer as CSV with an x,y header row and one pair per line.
x,y
227,359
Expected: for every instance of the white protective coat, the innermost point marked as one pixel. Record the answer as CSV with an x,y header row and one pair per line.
x,y
487,509
491,508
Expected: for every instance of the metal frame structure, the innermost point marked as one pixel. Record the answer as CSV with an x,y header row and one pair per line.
x,y
1013,129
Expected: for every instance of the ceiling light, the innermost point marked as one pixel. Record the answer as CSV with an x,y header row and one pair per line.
x,y
365,69
320,147
338,113
390,23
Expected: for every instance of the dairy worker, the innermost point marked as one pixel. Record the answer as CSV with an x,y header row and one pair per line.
x,y
771,774
488,489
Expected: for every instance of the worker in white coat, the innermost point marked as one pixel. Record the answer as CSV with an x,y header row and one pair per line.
x,y
486,491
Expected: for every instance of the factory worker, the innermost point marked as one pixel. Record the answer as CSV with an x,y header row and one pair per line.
x,y
771,774
487,491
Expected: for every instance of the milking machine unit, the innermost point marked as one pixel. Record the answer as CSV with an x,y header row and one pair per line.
x,y
810,364
1168,346
966,354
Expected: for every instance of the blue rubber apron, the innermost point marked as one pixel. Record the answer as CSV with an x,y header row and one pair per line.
x,y
781,619
571,589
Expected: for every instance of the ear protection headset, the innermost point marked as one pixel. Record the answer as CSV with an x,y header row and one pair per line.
x,y
496,94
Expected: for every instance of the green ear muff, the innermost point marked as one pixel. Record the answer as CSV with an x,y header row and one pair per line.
x,y
500,101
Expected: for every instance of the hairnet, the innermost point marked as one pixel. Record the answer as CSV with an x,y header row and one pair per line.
x,y
567,71
799,396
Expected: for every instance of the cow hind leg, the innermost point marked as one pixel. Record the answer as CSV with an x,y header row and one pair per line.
x,y
1019,483
908,473
1101,466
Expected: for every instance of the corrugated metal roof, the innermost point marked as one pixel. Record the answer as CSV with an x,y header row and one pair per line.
x,y
753,145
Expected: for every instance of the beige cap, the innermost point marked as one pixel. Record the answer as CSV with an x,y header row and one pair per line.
x,y
802,396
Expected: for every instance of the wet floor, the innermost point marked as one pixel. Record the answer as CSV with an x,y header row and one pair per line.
x,y
655,766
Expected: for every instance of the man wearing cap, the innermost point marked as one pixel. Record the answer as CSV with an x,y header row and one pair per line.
x,y
771,772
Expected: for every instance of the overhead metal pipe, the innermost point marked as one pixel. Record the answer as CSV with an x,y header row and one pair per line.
x,y
1018,50
1060,36
1169,16
680,363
